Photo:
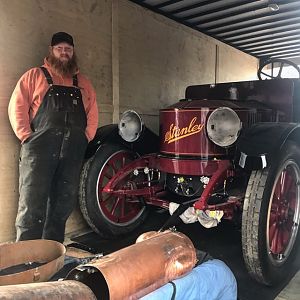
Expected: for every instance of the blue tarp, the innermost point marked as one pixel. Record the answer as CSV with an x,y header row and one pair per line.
x,y
211,280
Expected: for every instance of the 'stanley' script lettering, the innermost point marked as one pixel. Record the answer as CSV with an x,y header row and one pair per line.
x,y
176,133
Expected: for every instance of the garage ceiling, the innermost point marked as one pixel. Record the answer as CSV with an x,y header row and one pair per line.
x,y
262,28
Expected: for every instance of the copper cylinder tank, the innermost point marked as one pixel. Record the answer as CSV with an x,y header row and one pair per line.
x,y
63,290
135,271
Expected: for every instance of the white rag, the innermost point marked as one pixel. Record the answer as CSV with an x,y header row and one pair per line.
x,y
208,218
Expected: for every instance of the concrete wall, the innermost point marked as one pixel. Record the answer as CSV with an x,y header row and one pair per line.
x,y
134,58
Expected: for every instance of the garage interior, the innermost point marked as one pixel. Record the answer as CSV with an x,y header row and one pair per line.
x,y
141,55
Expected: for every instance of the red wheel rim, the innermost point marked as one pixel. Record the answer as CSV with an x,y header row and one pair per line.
x,y
283,216
119,210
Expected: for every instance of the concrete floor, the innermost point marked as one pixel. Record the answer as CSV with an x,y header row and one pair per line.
x,y
292,290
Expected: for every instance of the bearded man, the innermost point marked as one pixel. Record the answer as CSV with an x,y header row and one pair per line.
x,y
53,112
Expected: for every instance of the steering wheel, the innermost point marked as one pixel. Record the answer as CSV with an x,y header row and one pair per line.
x,y
271,64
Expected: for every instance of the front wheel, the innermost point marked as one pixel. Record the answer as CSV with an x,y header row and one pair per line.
x,y
107,214
271,215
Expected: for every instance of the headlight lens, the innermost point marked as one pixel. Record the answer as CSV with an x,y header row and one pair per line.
x,y
130,126
223,126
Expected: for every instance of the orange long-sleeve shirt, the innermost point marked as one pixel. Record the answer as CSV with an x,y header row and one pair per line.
x,y
29,94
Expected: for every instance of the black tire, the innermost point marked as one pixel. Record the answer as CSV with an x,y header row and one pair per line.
x,y
95,205
270,239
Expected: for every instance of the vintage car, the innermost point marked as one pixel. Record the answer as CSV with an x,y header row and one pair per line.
x,y
228,150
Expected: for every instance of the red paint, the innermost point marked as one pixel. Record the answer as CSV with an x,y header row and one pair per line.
x,y
282,211
183,132
117,207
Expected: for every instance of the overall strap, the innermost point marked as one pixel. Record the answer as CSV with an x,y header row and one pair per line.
x,y
49,78
47,75
75,80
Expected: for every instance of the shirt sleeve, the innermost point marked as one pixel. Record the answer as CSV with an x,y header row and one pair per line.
x,y
18,109
91,114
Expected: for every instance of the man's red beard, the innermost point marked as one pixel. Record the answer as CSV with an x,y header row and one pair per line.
x,y
64,68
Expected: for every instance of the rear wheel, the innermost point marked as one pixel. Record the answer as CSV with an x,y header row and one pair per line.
x,y
271,214
107,214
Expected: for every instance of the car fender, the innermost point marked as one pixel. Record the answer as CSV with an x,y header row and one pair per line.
x,y
259,145
148,142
